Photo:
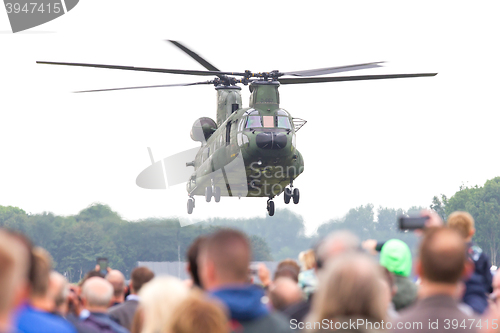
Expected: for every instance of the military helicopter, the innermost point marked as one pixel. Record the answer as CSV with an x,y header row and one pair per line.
x,y
248,151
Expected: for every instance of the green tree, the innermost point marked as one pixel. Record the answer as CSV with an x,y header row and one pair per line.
x,y
483,203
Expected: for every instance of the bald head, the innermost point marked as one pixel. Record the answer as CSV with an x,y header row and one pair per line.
x,y
97,294
442,255
117,280
284,293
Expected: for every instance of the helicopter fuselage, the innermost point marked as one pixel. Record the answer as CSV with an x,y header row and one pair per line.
x,y
252,153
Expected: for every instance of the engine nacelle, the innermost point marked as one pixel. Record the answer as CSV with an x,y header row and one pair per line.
x,y
202,129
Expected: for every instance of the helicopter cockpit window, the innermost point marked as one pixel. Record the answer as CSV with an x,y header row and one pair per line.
x,y
253,121
283,122
268,121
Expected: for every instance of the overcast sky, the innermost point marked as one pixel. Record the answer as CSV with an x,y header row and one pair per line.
x,y
392,143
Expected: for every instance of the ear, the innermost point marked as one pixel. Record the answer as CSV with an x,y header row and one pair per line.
x,y
468,269
188,267
472,232
418,268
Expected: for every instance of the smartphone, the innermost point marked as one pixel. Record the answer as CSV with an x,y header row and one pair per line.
x,y
103,265
412,222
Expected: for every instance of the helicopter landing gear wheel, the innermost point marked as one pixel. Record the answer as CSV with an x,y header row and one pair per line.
x,y
287,195
190,205
208,193
216,193
296,195
270,207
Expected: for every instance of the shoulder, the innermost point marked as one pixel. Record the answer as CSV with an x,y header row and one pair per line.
x,y
36,321
127,305
273,322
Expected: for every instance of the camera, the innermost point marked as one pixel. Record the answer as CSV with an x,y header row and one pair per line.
x,y
412,222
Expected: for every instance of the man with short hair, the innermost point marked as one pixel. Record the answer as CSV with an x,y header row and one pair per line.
x,y
223,262
117,280
124,313
441,265
14,267
37,316
96,296
478,285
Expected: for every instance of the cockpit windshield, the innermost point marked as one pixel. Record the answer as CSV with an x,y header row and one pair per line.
x,y
253,122
268,122
283,122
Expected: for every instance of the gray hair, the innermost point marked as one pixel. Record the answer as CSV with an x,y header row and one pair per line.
x,y
337,242
97,291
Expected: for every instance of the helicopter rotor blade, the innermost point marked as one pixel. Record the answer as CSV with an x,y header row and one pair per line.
x,y
143,69
350,78
331,70
142,87
195,56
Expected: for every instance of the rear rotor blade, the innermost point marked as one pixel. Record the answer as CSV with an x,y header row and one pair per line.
x,y
350,78
195,56
141,87
142,69
331,70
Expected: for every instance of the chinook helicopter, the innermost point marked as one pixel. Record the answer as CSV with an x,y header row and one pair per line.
x,y
248,151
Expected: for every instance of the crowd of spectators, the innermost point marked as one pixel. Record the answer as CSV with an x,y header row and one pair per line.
x,y
341,284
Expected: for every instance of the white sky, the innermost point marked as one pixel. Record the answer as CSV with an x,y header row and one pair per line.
x,y
394,143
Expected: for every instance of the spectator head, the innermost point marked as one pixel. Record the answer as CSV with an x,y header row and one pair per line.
x,y
349,286
139,277
14,263
90,274
307,259
192,257
42,266
199,314
58,291
336,243
463,222
96,294
284,292
287,268
224,259
117,280
396,257
442,256
158,300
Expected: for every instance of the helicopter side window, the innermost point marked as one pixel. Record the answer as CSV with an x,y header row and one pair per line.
x,y
253,121
283,122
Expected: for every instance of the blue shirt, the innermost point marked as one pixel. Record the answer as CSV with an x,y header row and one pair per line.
x,y
31,320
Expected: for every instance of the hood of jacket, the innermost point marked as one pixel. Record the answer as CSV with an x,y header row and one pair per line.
x,y
244,302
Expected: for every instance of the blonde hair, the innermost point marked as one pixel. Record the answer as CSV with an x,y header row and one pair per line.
x,y
307,259
158,300
349,287
199,314
463,222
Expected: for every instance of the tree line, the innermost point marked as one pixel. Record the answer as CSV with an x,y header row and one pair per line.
x,y
76,241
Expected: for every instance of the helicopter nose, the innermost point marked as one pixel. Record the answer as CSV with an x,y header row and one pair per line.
x,y
271,140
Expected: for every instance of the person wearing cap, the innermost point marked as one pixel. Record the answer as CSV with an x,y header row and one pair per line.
x,y
395,255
